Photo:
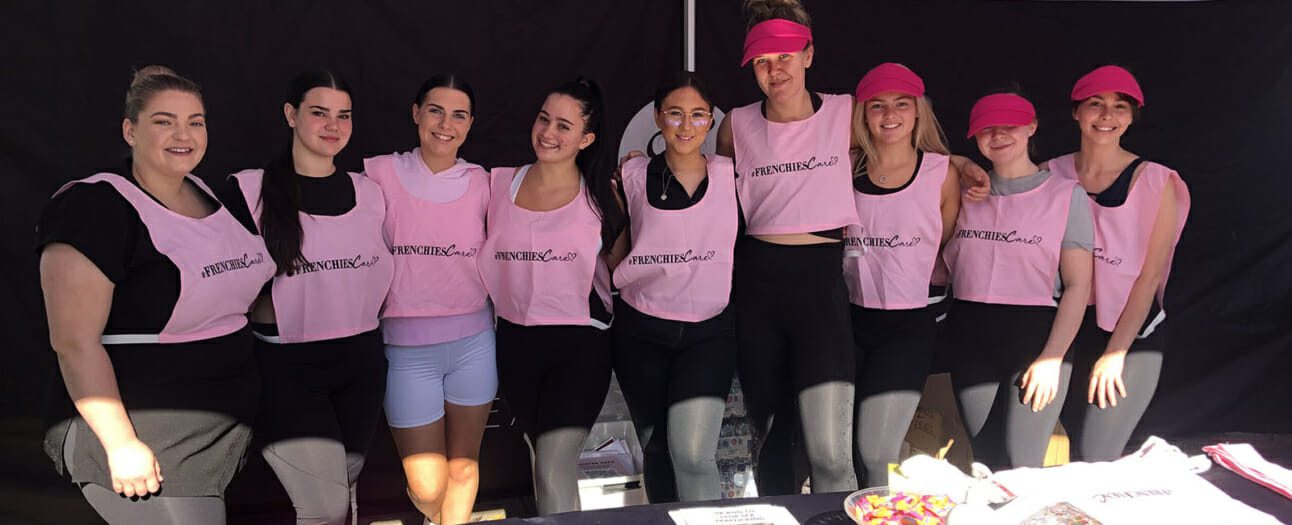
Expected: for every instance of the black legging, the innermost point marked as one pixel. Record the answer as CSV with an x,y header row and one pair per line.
x,y
675,377
1101,434
554,379
795,342
894,353
996,344
322,403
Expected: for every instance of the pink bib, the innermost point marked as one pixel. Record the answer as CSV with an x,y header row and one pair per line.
x,y
541,267
1122,234
431,239
221,265
888,259
679,267
339,290
795,177
1005,249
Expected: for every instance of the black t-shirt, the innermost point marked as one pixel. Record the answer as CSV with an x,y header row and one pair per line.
x,y
657,172
102,225
664,192
329,196
664,195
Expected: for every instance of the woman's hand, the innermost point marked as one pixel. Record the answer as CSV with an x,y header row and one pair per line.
x,y
1040,383
134,469
1106,379
974,179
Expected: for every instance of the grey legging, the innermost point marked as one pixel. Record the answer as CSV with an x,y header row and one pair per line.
x,y
882,421
307,469
555,456
1101,434
821,409
1025,433
995,345
694,426
894,354
160,510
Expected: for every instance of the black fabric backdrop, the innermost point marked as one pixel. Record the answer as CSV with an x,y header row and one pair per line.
x,y
1216,77
1218,84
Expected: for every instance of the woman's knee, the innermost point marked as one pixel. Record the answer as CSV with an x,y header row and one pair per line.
x,y
426,489
332,508
693,462
463,471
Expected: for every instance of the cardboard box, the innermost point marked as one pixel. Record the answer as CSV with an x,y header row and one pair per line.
x,y
1058,453
936,421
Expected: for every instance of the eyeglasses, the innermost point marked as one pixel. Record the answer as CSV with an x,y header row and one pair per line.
x,y
699,119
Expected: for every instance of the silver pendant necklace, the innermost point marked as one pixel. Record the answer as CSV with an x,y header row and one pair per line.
x,y
663,194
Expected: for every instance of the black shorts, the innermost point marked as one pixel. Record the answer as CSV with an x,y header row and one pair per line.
x,y
894,349
660,362
331,389
995,340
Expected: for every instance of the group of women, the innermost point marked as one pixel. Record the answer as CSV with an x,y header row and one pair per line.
x,y
300,299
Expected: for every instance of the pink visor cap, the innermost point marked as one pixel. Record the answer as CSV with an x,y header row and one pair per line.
x,y
775,36
887,77
1003,109
1107,78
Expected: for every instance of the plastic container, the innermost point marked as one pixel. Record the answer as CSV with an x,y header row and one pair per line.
x,y
916,509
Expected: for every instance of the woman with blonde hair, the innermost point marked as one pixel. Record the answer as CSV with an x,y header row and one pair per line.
x,y
907,195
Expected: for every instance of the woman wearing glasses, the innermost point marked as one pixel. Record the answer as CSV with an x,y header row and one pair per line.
x,y
675,336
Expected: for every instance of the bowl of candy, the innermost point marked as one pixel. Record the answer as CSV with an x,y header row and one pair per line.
x,y
881,506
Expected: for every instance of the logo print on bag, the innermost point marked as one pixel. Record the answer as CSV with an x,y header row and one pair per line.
x,y
1006,237
533,256
791,167
433,251
1129,494
355,263
229,265
672,258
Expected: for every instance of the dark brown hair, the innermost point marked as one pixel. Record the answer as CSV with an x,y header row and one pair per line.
x,y
280,192
679,80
